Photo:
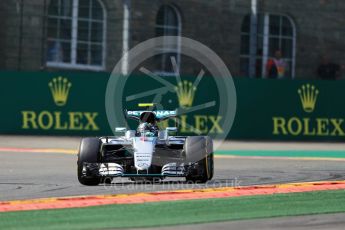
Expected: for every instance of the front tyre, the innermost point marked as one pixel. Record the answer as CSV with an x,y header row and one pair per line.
x,y
88,153
199,151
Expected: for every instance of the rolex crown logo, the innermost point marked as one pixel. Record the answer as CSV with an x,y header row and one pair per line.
x,y
308,95
59,88
185,92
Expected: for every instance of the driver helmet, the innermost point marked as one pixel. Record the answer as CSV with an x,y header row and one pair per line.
x,y
145,126
147,129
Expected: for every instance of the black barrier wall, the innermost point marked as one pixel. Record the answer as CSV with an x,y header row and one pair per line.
x,y
41,103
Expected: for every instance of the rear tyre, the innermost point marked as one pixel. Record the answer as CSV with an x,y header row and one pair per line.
x,y
88,153
199,150
209,144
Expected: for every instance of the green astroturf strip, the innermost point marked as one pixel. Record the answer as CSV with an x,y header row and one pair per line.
x,y
283,153
177,212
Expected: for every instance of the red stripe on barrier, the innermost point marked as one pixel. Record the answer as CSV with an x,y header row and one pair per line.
x,y
87,201
36,150
16,150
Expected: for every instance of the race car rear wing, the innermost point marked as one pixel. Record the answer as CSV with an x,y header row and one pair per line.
x,y
160,115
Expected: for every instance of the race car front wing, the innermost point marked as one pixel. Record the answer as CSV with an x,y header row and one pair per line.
x,y
116,170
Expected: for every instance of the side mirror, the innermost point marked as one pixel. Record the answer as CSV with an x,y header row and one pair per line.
x,y
171,129
120,129
130,134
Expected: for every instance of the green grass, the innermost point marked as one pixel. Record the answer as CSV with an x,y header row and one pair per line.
x,y
284,153
177,212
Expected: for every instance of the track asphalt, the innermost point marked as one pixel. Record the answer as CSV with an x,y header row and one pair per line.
x,y
44,174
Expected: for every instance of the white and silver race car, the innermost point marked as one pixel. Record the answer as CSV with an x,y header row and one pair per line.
x,y
147,153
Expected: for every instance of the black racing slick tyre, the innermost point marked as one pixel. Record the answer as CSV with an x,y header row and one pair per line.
x,y
88,153
199,152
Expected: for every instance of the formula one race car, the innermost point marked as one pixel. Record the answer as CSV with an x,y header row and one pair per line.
x,y
147,153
